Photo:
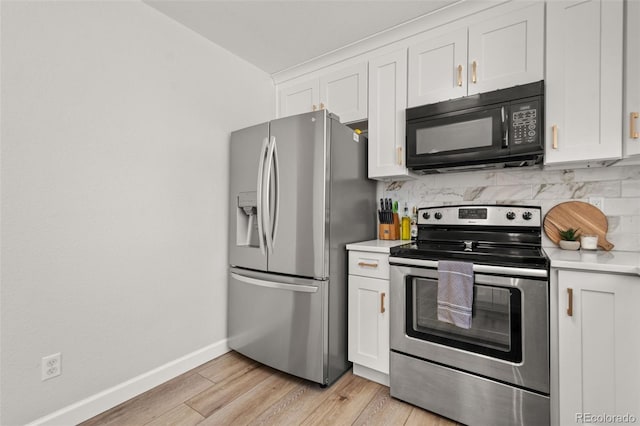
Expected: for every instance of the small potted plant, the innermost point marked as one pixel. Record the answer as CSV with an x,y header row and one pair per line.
x,y
569,239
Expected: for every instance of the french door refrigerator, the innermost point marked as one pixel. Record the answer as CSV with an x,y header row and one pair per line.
x,y
298,194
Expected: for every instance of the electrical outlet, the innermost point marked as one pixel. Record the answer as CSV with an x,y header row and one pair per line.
x,y
597,201
51,366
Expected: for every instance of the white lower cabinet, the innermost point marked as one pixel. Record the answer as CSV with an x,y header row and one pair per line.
x,y
369,316
598,348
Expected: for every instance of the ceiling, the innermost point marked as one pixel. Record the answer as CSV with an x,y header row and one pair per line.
x,y
277,35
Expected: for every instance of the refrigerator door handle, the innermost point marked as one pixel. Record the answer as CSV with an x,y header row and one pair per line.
x,y
259,194
279,286
266,197
277,179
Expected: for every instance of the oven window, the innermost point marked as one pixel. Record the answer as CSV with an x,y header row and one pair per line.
x,y
495,326
468,134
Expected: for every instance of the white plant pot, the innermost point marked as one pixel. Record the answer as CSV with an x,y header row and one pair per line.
x,y
569,245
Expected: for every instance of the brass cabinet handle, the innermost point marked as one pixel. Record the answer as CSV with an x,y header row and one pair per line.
x,y
474,72
399,155
633,132
459,75
570,304
554,136
371,265
382,310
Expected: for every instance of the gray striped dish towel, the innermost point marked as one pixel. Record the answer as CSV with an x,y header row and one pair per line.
x,y
455,292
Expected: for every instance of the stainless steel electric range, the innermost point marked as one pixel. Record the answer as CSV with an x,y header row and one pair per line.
x,y
497,371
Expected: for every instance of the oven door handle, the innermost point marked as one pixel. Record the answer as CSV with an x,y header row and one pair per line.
x,y
481,269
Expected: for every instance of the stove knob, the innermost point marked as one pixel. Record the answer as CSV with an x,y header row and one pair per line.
x,y
426,215
526,215
511,215
438,215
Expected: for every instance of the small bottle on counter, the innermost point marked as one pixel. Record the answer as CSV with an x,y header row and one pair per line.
x,y
414,224
406,224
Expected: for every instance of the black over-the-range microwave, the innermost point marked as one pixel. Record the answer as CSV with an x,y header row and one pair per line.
x,y
503,128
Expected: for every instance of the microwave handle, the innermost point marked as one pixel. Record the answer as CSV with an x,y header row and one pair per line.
x,y
505,129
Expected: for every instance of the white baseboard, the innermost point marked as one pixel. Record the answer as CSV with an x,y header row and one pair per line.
x,y
109,398
371,374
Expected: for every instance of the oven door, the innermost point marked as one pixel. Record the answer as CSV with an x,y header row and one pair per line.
x,y
509,336
467,137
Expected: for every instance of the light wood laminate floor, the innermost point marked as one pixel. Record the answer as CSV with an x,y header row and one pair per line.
x,y
234,390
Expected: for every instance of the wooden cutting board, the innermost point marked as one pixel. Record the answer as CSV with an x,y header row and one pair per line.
x,y
588,219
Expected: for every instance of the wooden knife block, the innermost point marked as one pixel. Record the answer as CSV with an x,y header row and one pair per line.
x,y
390,231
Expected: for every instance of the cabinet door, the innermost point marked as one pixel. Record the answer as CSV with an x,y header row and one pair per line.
x,y
369,322
631,129
507,50
387,104
300,98
437,69
599,346
344,93
583,84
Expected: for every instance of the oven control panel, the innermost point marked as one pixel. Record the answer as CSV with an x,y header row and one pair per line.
x,y
481,215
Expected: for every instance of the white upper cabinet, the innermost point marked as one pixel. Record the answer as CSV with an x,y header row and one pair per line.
x,y
496,53
342,92
437,68
631,129
583,81
300,98
387,104
507,50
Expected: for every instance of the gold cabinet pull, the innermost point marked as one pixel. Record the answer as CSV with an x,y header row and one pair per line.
x,y
633,131
366,264
474,72
570,304
399,155
382,303
459,75
554,136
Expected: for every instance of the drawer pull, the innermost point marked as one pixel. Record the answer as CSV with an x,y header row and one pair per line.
x,y
632,125
570,307
382,303
554,136
366,264
459,75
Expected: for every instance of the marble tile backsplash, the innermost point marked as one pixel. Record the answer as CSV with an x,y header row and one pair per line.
x,y
619,186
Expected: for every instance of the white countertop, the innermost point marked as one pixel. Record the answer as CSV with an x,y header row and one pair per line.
x,y
622,262
376,246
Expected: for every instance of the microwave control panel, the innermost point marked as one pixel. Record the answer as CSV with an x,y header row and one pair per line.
x,y
524,123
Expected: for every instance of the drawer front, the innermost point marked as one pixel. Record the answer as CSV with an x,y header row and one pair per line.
x,y
366,264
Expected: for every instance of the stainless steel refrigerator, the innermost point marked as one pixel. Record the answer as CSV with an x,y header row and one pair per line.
x,y
298,194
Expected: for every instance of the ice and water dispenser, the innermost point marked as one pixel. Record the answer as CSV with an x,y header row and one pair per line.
x,y
247,219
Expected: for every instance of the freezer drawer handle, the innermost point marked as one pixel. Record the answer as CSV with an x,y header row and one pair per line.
x,y
271,284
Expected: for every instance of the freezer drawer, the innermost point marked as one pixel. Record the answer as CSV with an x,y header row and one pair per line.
x,y
280,321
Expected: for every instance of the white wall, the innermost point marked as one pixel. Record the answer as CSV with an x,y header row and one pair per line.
x,y
115,125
